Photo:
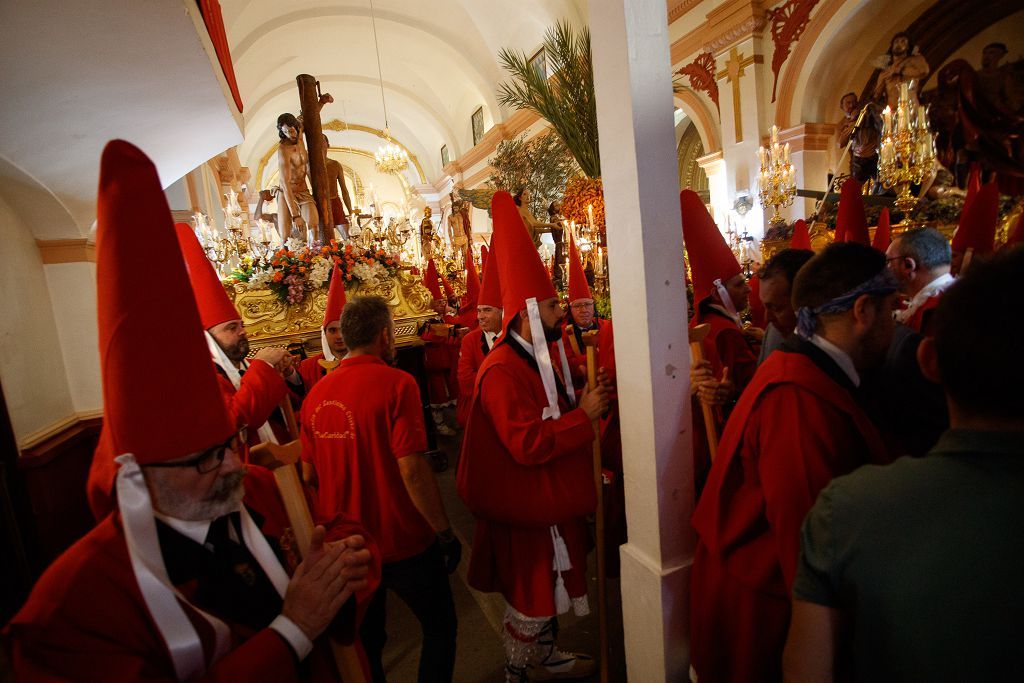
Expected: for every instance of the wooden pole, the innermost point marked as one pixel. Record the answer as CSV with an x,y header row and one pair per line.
x,y
309,101
697,335
284,460
590,341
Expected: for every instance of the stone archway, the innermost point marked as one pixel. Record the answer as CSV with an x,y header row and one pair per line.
x,y
691,175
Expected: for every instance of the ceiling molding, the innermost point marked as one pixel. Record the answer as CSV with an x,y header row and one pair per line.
x,y
66,251
680,7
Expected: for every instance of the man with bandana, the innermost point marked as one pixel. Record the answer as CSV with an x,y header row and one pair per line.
x,y
797,425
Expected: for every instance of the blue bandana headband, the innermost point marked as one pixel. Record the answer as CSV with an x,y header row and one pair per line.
x,y
807,318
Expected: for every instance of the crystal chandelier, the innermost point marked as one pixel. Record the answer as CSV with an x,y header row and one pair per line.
x,y
390,157
777,177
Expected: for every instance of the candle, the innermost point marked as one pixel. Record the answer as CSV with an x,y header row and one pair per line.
x,y
785,153
886,120
760,155
590,217
901,118
775,134
904,91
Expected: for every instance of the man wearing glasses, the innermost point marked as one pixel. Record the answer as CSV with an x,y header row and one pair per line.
x,y
190,576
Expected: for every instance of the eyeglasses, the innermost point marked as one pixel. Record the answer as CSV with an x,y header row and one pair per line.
x,y
583,305
209,460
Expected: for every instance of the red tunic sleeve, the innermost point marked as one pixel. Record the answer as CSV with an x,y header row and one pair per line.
x,y
260,391
530,440
735,353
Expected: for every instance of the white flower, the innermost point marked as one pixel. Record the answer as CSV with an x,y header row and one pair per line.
x,y
319,271
295,244
259,280
369,274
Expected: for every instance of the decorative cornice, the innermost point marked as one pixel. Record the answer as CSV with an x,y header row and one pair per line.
x,y
728,23
67,424
807,137
511,127
680,8
67,251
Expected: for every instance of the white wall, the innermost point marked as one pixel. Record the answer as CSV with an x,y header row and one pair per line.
x,y
32,365
73,299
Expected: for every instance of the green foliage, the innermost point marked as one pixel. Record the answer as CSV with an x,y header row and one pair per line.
x,y
603,305
542,165
566,98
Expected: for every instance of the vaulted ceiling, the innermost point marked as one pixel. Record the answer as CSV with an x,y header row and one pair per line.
x,y
438,58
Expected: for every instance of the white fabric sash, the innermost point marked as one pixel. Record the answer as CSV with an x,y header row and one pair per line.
x,y
328,354
163,601
570,389
543,357
727,304
221,360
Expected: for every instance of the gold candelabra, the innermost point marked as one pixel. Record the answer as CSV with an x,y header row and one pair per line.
x,y
777,177
593,252
907,154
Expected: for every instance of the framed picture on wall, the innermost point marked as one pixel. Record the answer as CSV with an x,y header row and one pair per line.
x,y
444,156
478,125
539,63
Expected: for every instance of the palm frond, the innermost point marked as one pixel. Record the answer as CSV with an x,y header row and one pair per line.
x,y
566,99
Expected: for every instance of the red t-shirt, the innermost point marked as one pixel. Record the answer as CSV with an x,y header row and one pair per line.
x,y
357,422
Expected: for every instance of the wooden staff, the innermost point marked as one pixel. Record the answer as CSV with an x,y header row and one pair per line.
x,y
590,342
697,335
283,460
316,148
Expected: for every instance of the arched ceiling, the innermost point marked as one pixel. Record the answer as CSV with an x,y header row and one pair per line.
x,y
438,57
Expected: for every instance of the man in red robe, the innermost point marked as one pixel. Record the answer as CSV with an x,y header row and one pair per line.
x,y
479,342
311,370
442,343
253,389
186,580
798,425
719,292
363,439
525,468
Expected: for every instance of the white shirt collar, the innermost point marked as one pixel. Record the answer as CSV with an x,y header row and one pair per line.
x,y
841,358
489,338
936,286
522,342
194,530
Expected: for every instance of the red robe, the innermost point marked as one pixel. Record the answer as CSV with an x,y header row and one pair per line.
x,y
793,430
440,363
258,395
724,347
519,474
311,371
86,619
920,321
471,356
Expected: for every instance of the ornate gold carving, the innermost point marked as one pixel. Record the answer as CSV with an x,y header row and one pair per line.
x,y
270,322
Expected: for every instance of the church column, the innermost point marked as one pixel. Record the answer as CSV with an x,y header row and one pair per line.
x,y
635,121
739,53
813,154
714,167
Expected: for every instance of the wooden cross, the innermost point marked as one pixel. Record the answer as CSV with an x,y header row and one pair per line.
x,y
734,69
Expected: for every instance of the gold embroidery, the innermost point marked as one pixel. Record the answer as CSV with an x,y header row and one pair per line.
x,y
349,433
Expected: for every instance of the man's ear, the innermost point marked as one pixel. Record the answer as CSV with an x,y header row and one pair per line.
x,y
865,308
928,360
384,338
909,264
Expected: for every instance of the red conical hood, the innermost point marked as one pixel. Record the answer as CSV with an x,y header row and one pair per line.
x,y
335,298
578,287
973,185
484,253
490,290
882,237
977,229
520,270
851,223
472,282
449,293
801,238
212,301
430,280
162,410
710,257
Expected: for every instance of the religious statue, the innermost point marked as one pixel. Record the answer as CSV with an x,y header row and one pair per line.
x,y
298,208
260,215
555,218
427,235
902,64
460,229
862,130
341,206
535,227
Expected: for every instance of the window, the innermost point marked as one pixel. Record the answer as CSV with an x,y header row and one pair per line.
x,y
444,156
478,126
539,62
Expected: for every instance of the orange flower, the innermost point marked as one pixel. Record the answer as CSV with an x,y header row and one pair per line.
x,y
337,259
302,269
278,276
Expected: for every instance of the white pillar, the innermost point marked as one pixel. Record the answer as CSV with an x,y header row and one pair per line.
x,y
714,167
634,112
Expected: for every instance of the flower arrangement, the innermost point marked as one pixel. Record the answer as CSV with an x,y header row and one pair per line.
x,y
292,273
580,193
